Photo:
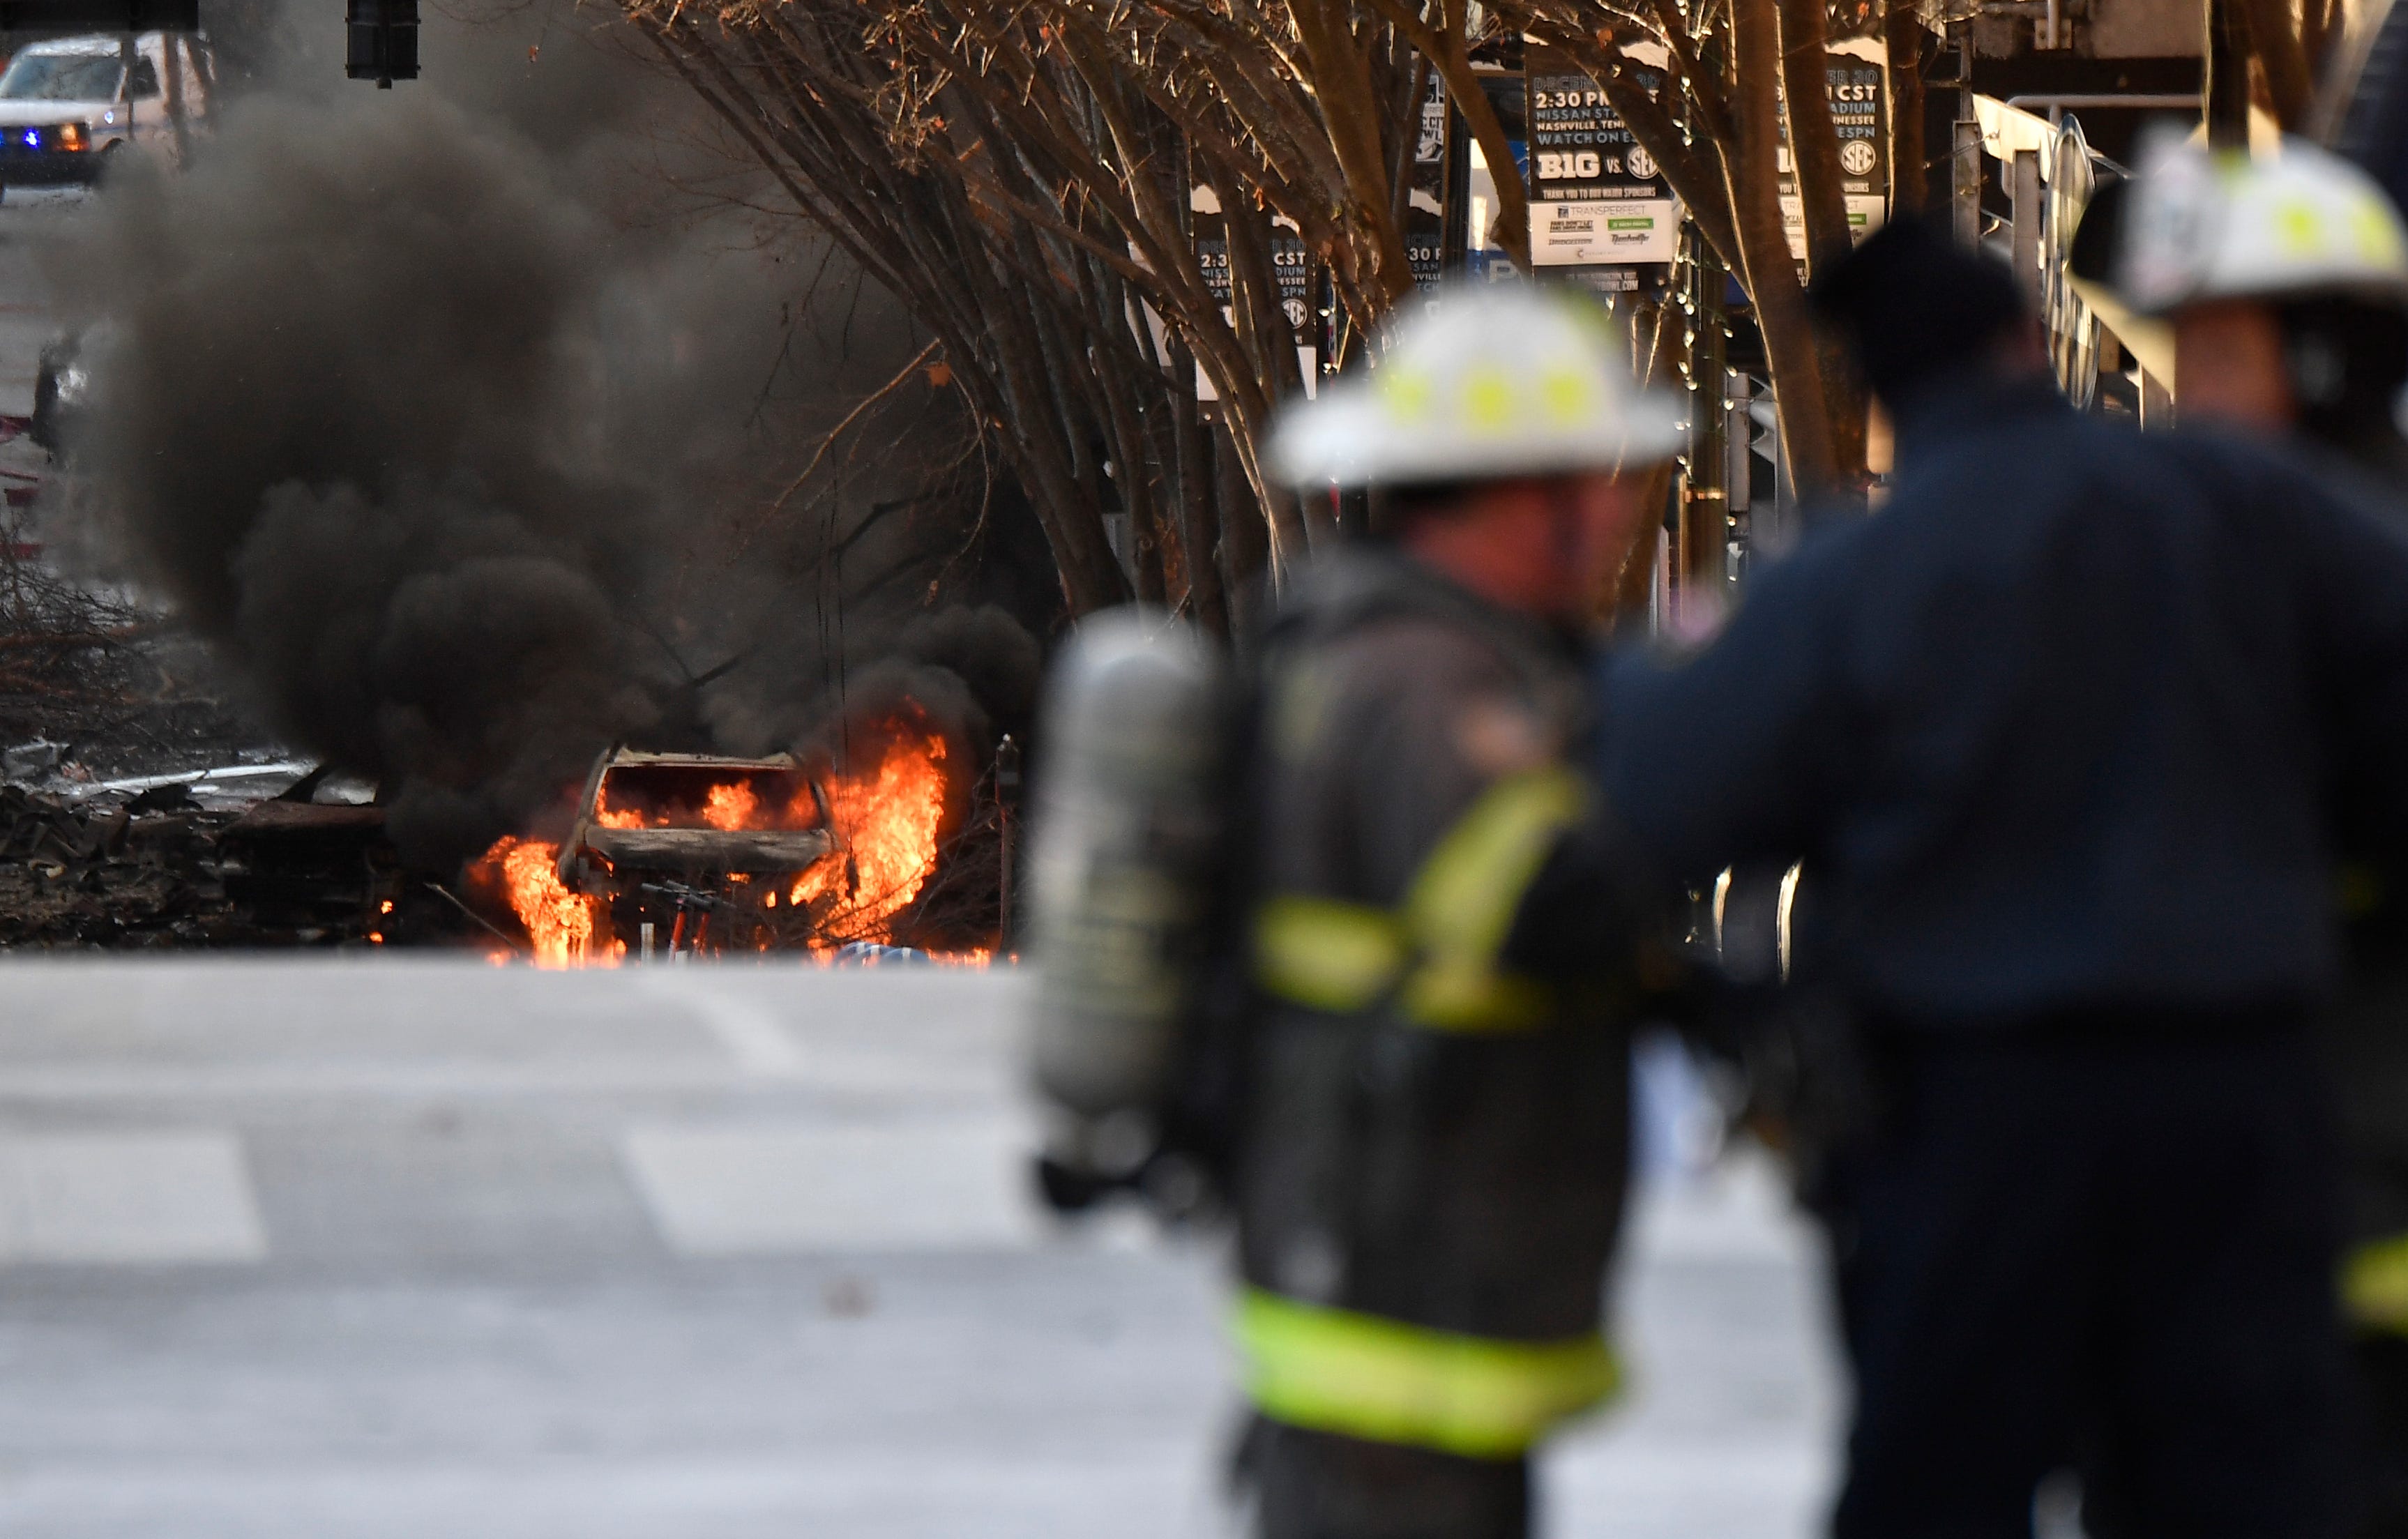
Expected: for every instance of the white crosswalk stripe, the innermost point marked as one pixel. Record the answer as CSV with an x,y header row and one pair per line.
x,y
921,1184
127,1197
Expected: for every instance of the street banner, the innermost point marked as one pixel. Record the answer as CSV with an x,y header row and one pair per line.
x,y
1291,267
1600,210
1858,92
1291,263
1211,238
1426,211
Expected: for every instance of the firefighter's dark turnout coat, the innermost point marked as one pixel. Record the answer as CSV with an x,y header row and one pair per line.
x,y
1430,1177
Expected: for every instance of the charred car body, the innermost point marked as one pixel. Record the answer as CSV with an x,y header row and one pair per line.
x,y
691,852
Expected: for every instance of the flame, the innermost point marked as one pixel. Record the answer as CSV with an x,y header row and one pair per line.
x,y
886,824
885,819
731,806
558,921
728,805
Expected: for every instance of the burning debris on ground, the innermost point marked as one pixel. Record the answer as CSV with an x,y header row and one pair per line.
x,y
192,861
885,837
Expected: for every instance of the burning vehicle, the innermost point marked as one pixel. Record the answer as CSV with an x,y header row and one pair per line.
x,y
671,844
674,854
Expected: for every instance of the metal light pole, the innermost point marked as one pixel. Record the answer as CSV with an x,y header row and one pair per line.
x,y
1007,795
1965,151
1705,503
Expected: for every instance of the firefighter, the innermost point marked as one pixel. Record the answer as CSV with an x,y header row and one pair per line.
x,y
1428,1177
2285,281
2053,731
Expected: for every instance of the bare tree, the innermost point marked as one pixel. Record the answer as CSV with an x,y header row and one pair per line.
x,y
1028,178
1716,126
833,117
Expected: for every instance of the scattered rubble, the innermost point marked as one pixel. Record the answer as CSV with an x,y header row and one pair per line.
x,y
179,861
228,788
138,874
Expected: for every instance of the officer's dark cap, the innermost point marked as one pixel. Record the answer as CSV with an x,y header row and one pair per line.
x,y
1914,305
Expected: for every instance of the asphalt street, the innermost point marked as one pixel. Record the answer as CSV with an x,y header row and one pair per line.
x,y
395,1247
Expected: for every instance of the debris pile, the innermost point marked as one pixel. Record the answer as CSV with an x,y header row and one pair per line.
x,y
140,874
180,863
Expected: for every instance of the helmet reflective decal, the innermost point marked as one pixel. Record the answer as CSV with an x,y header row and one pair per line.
x,y
1490,381
2378,239
2297,228
2300,223
1408,392
2166,240
1564,396
1488,399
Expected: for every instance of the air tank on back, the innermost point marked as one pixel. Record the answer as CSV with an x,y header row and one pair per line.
x,y
1126,826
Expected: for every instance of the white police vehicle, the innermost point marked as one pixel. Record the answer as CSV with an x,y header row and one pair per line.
x,y
68,104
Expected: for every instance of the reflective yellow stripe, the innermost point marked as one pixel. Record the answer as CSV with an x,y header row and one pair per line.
x,y
1336,1370
1345,956
1329,955
2375,1285
1463,998
1465,894
1461,905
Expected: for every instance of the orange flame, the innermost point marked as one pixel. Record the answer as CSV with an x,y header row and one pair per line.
x,y
885,819
729,805
886,824
558,921
732,806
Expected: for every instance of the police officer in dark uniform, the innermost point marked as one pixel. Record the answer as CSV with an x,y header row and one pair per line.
x,y
2054,733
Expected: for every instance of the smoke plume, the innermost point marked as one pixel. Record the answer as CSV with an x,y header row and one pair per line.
x,y
467,465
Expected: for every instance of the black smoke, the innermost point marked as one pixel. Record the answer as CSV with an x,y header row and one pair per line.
x,y
340,416
966,673
460,441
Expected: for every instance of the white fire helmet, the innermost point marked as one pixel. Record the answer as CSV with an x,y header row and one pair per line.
x,y
2205,225
1484,383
